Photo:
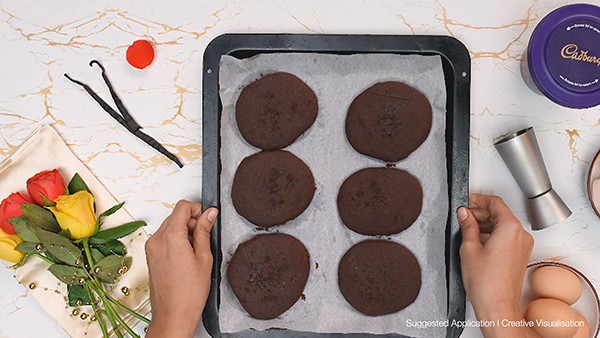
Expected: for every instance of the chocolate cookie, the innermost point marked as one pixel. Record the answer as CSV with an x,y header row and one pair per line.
x,y
272,187
273,111
379,277
388,121
268,273
380,201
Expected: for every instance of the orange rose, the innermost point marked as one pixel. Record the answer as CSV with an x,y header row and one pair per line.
x,y
11,207
47,183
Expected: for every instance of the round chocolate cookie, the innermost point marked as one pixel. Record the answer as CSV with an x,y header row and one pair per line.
x,y
380,201
273,111
379,277
272,187
388,121
268,273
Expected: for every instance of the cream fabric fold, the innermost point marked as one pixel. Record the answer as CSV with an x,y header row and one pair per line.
x,y
45,150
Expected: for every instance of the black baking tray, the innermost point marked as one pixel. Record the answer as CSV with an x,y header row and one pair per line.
x,y
456,65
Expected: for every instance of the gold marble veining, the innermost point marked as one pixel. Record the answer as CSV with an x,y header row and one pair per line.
x,y
168,205
181,91
407,24
476,139
138,151
4,152
520,26
557,258
42,40
173,29
298,21
573,135
76,32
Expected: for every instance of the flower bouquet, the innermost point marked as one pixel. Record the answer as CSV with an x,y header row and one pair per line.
x,y
58,223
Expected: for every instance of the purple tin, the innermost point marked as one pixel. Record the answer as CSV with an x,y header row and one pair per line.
x,y
563,56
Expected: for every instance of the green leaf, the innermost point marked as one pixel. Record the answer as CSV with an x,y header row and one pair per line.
x,y
30,247
51,257
69,275
47,202
77,295
97,255
41,217
25,228
112,210
111,268
116,232
60,247
112,247
77,184
66,233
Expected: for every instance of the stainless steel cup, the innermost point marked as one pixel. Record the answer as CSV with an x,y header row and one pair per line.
x,y
521,153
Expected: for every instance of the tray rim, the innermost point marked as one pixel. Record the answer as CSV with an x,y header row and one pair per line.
x,y
450,49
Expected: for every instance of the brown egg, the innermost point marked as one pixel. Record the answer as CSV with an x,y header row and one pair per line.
x,y
552,318
583,331
556,282
530,333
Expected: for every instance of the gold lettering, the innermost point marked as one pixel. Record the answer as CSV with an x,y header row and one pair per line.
x,y
570,51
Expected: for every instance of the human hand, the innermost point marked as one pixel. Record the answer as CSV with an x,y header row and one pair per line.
x,y
180,263
493,270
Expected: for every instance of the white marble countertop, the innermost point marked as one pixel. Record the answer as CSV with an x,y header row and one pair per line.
x,y
41,40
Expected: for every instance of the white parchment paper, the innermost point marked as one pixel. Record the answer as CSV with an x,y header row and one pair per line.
x,y
337,80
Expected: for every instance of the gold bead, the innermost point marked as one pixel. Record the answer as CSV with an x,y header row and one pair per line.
x,y
31,286
96,270
81,281
125,290
78,302
75,312
39,247
83,316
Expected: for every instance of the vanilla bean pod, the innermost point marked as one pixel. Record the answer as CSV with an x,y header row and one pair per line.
x,y
154,144
100,101
125,119
133,125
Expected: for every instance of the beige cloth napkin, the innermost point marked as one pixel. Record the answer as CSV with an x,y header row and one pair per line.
x,y
45,150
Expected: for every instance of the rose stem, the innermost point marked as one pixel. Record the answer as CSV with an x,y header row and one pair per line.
x,y
44,258
110,314
111,318
128,310
120,320
88,253
124,120
96,312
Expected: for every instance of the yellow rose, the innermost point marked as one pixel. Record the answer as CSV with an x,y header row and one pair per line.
x,y
7,247
76,214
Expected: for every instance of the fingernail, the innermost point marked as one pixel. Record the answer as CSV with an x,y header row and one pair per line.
x,y
212,214
462,214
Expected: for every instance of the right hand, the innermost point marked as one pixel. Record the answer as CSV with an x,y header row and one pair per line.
x,y
493,270
180,265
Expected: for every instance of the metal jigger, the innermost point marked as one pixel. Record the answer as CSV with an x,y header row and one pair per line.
x,y
521,153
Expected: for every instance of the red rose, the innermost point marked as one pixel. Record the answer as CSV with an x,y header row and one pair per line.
x,y
11,207
48,183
